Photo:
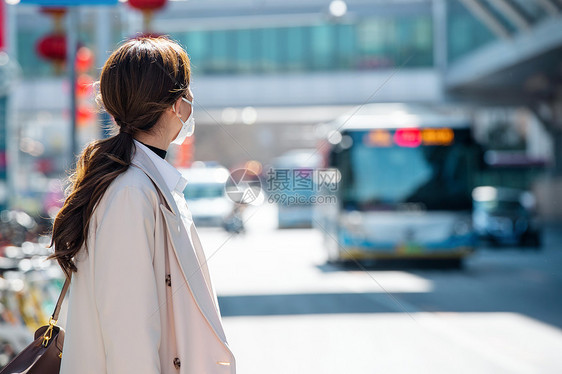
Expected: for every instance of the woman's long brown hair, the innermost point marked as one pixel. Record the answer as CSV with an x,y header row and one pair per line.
x,y
138,82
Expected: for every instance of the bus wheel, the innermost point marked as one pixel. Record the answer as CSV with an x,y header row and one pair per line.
x,y
344,264
531,240
334,259
333,253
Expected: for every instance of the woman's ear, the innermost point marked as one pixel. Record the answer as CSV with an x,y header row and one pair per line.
x,y
176,107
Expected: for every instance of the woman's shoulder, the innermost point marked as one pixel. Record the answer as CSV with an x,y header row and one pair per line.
x,y
133,179
130,193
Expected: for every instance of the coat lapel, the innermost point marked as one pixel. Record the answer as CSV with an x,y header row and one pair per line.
x,y
182,248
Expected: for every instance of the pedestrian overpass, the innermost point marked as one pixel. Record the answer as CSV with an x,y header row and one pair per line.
x,y
522,66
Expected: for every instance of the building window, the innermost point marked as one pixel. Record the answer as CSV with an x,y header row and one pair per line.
x,y
371,43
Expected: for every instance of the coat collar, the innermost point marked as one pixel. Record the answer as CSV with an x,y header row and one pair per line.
x,y
143,161
171,176
190,265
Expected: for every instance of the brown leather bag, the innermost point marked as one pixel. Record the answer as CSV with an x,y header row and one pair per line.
x,y
43,355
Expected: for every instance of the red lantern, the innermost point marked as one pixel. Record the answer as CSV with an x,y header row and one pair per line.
x,y
147,4
52,47
84,85
84,59
84,115
147,7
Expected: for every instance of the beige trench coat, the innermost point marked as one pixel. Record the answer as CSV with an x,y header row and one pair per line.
x,y
124,316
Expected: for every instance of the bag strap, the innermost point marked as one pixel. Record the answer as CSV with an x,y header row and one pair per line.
x,y
48,335
55,315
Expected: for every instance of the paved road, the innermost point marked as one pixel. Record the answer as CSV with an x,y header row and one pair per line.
x,y
286,312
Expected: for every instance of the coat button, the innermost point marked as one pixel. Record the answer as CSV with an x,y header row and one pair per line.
x,y
177,363
168,280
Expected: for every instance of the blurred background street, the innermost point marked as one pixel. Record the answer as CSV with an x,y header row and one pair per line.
x,y
286,311
377,183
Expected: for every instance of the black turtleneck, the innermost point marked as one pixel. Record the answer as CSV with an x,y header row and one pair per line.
x,y
158,151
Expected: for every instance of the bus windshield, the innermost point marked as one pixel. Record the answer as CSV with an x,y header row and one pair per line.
x,y
390,169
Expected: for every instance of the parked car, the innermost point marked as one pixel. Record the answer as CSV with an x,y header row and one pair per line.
x,y
505,216
206,196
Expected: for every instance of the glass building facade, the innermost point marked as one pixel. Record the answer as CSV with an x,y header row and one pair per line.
x,y
465,33
370,44
364,43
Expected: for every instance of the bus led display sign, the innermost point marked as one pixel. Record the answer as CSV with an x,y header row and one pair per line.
x,y
410,137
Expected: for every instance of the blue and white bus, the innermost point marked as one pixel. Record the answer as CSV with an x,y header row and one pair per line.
x,y
406,173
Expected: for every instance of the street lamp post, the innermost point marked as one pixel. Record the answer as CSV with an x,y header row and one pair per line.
x,y
72,41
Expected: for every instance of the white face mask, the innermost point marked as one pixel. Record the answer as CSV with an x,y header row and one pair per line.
x,y
187,127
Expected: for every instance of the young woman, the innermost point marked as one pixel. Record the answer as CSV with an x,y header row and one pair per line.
x,y
141,299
